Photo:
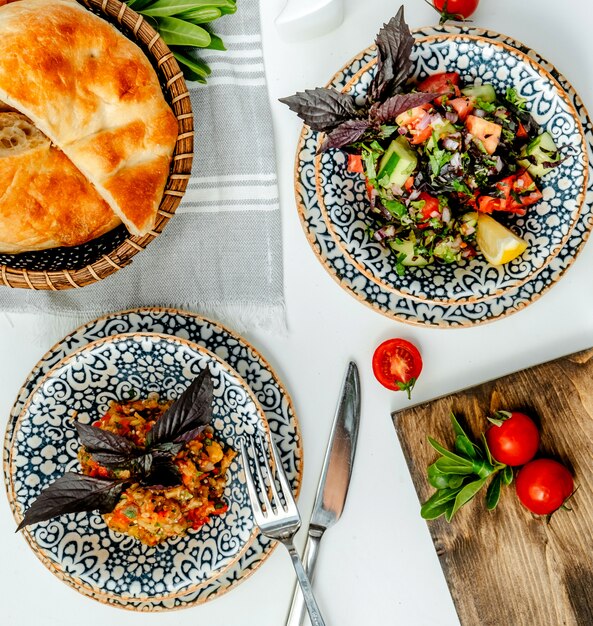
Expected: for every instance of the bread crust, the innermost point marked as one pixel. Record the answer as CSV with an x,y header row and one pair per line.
x,y
94,93
45,202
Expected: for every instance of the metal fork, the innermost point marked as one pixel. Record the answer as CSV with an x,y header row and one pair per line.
x,y
279,517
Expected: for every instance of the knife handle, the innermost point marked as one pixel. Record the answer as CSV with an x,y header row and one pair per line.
x,y
296,615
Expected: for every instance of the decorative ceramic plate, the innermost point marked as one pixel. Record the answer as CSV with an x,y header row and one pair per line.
x,y
332,202
80,548
264,384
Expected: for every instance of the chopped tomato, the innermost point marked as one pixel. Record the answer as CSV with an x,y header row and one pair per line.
x,y
411,117
462,106
517,193
525,191
355,163
420,136
488,133
489,204
431,208
409,184
521,132
370,189
445,83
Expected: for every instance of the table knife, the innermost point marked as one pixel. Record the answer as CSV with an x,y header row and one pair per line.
x,y
333,482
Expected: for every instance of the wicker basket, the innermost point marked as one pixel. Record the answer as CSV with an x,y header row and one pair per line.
x,y
96,260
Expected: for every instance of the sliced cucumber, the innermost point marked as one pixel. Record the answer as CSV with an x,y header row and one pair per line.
x,y
398,162
406,247
485,93
543,150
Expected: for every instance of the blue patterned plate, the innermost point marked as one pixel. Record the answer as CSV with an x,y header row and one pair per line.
x,y
332,203
215,563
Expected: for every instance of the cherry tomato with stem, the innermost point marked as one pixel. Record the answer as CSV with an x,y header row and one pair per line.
x,y
544,485
397,364
513,438
455,9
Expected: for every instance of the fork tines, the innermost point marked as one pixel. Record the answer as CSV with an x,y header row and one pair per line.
x,y
269,490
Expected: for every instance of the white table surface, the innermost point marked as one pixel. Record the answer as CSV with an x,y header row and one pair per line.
x,y
377,565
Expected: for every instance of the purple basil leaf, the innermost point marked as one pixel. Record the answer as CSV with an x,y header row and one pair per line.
x,y
163,475
112,450
139,464
344,134
167,449
396,105
72,493
190,435
394,66
322,109
191,410
96,439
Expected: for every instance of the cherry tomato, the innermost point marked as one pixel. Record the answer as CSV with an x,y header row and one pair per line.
x,y
456,9
515,441
397,365
543,486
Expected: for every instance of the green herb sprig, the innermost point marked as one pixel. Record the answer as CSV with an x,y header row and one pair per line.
x,y
459,476
185,25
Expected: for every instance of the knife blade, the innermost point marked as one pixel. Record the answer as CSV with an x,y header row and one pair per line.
x,y
333,481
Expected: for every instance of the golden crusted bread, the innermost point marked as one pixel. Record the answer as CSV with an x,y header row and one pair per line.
x,y
45,202
95,95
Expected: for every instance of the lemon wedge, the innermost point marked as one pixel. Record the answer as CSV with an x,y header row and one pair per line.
x,y
497,243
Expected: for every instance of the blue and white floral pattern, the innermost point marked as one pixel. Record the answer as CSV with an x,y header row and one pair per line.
x,y
332,202
154,587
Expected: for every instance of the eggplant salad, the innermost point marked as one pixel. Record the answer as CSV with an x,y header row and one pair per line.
x,y
442,160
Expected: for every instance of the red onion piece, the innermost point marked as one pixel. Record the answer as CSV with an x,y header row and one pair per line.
x,y
424,122
450,144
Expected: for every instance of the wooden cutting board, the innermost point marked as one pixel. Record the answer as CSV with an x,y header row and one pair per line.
x,y
507,567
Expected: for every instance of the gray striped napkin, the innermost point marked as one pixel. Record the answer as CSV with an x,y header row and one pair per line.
x,y
221,255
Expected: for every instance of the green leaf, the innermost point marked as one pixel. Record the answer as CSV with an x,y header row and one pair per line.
x,y
407,387
499,417
230,8
457,426
484,469
456,480
437,478
467,493
493,492
164,8
464,446
190,75
138,5
487,449
437,504
507,475
201,16
195,65
447,453
176,32
449,466
438,159
216,43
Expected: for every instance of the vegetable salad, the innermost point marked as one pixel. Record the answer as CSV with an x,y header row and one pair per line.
x,y
437,167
